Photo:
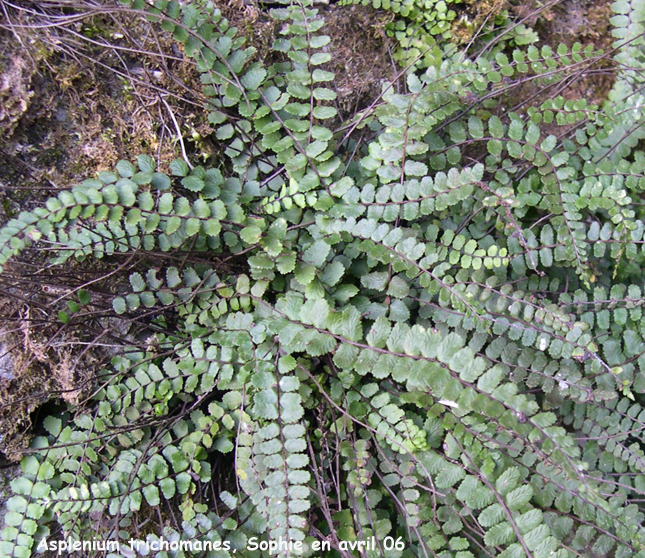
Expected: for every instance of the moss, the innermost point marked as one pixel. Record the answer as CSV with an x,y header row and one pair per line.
x,y
9,209
71,98
48,361
473,16
19,398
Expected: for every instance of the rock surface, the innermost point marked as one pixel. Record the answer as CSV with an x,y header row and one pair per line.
x,y
6,363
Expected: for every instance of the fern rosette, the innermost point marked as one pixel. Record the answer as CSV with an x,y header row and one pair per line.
x,y
424,324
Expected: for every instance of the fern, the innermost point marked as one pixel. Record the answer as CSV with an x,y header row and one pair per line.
x,y
437,340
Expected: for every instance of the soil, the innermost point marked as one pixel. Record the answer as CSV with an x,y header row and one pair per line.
x,y
73,107
362,51
569,22
362,55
